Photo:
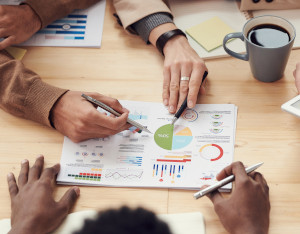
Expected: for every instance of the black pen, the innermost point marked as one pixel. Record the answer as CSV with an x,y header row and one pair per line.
x,y
184,104
112,111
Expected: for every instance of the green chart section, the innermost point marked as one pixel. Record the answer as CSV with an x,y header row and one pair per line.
x,y
172,137
164,136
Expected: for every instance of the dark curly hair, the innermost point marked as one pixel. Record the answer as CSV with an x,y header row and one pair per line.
x,y
125,221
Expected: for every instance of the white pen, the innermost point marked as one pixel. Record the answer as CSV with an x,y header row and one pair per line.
x,y
223,182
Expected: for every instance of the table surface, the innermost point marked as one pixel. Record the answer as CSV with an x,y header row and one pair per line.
x,y
125,63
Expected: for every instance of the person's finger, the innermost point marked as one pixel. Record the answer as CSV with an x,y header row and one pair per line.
x,y
94,131
36,170
215,196
111,102
184,84
12,185
174,88
23,176
258,177
69,199
194,86
6,42
95,117
49,173
236,168
166,86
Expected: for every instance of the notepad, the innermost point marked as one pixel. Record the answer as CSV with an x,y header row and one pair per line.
x,y
210,33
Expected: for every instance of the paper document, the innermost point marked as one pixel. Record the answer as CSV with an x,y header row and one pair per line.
x,y
82,28
186,156
10,2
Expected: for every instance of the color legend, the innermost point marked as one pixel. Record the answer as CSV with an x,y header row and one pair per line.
x,y
95,175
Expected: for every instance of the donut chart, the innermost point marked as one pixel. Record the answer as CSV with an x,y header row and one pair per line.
x,y
172,137
211,152
190,115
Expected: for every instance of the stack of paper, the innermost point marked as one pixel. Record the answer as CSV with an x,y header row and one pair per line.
x,y
185,156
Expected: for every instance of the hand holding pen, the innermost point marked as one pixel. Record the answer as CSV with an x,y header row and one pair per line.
x,y
247,210
184,105
79,120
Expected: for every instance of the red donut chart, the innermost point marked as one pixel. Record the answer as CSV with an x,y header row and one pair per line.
x,y
209,153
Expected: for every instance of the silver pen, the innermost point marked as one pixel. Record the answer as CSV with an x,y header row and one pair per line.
x,y
223,182
112,111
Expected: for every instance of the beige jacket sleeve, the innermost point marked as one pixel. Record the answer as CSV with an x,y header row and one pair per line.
x,y
273,4
48,11
131,11
23,93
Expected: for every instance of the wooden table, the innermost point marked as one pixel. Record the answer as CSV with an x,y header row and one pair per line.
x,y
126,68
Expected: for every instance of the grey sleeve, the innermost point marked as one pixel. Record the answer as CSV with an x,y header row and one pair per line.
x,y
144,26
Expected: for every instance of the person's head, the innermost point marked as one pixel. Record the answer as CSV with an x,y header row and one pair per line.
x,y
125,221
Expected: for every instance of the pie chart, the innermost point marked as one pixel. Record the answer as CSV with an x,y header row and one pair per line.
x,y
172,137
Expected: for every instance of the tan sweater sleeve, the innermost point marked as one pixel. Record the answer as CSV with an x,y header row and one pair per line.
x,y
51,10
23,93
131,11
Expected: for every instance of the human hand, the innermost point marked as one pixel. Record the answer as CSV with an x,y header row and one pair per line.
x,y
17,24
181,61
33,208
297,77
78,119
247,210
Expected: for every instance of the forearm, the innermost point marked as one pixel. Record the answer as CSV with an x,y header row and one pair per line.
x,y
23,93
49,11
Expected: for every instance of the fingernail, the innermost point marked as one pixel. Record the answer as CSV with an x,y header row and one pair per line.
x,y
171,108
24,161
10,175
190,104
77,191
165,102
39,156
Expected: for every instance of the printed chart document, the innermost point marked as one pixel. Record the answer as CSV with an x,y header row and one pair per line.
x,y
10,2
82,28
187,155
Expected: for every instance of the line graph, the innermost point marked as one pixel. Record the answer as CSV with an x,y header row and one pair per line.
x,y
123,174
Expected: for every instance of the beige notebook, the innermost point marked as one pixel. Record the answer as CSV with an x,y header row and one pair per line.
x,y
183,223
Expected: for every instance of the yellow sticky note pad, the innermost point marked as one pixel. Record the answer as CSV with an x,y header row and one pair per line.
x,y
17,53
210,33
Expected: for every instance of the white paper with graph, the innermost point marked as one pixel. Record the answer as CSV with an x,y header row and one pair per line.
x,y
187,156
81,28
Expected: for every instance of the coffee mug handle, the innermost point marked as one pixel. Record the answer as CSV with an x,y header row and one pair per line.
x,y
230,52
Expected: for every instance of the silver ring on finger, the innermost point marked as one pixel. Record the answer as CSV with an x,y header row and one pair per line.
x,y
185,78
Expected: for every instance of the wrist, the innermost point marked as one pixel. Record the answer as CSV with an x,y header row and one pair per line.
x,y
35,20
178,41
167,37
57,109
